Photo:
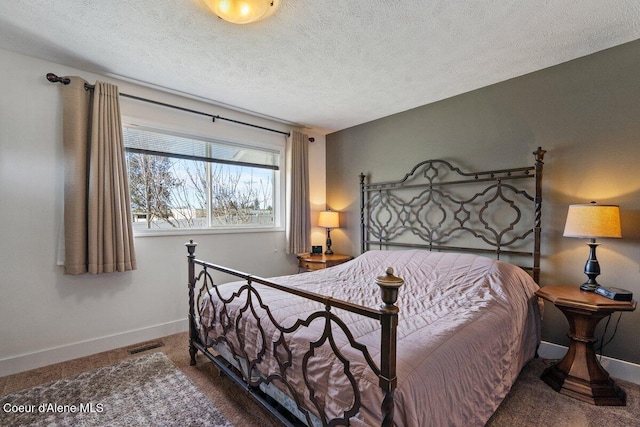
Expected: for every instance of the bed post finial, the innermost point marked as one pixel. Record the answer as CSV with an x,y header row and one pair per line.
x,y
193,331
191,247
389,285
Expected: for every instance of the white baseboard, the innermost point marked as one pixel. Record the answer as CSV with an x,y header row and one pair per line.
x,y
25,362
617,368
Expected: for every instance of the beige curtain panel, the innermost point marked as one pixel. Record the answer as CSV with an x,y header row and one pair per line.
x,y
299,212
98,234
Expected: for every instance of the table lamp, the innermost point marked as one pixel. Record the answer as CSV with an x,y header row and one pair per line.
x,y
591,221
328,220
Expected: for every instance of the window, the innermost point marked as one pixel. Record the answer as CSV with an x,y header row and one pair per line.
x,y
185,182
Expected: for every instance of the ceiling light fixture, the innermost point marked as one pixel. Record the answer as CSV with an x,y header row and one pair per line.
x,y
242,11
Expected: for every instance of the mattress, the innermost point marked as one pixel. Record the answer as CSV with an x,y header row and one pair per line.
x,y
467,325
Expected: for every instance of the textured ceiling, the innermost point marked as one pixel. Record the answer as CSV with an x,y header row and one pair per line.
x,y
323,64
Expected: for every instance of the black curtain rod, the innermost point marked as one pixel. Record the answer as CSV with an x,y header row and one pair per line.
x,y
65,81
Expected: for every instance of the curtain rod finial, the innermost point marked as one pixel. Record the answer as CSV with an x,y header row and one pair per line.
x,y
55,79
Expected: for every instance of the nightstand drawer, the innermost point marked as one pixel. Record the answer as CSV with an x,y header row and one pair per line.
x,y
311,266
308,262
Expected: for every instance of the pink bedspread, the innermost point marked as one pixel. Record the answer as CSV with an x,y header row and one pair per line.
x,y
467,325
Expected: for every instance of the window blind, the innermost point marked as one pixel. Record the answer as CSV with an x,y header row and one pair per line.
x,y
145,141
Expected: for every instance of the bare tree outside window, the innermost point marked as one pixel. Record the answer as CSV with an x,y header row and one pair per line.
x,y
177,193
151,183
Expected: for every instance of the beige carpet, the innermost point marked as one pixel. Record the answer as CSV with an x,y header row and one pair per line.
x,y
147,390
530,403
222,392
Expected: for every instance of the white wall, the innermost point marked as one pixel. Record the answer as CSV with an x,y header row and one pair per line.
x,y
46,316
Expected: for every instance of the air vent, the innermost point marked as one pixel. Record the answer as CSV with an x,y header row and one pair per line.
x,y
145,347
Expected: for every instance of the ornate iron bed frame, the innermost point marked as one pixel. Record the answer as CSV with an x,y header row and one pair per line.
x,y
387,214
383,219
241,372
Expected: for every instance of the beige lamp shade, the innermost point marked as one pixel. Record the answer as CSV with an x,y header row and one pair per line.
x,y
242,11
592,220
329,219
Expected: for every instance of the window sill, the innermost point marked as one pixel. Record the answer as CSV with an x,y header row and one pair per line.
x,y
205,231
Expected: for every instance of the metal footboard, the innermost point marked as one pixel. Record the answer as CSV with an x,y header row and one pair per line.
x,y
231,329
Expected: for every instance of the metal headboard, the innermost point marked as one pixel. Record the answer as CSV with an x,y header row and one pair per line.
x,y
439,207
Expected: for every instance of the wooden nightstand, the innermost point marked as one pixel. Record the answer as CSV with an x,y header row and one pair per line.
x,y
579,374
312,262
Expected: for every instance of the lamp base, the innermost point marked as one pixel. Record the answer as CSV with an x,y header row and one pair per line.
x,y
589,287
328,251
591,268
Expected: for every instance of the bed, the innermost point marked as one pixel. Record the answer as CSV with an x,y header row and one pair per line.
x,y
430,325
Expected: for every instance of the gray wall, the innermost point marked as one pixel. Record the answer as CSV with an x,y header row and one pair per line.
x,y
586,113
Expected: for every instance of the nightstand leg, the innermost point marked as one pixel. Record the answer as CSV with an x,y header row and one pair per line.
x,y
579,374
